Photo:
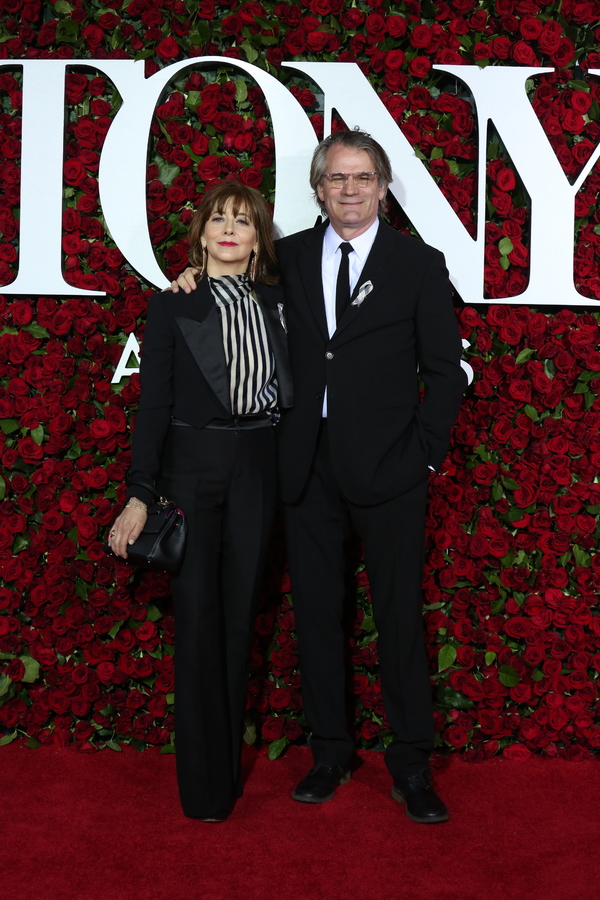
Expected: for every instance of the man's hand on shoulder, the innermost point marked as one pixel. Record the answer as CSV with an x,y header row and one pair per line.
x,y
186,281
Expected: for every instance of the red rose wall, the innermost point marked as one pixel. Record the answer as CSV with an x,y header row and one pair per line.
x,y
511,580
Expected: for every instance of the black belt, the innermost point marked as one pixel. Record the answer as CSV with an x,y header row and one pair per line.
x,y
234,423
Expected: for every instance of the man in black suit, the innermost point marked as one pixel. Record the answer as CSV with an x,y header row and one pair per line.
x,y
369,313
357,447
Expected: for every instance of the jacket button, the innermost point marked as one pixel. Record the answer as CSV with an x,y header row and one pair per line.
x,y
329,355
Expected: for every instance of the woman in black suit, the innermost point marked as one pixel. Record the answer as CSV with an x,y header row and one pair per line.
x,y
214,370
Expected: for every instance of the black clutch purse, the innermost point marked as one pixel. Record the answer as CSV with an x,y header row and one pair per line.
x,y
161,544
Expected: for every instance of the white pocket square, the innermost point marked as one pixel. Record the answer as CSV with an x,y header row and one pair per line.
x,y
363,290
281,316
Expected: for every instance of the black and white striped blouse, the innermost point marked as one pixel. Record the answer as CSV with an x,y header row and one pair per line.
x,y
253,386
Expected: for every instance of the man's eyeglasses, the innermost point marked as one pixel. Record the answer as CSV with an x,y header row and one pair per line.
x,y
360,179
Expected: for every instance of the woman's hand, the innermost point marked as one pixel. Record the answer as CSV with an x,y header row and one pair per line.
x,y
186,281
126,530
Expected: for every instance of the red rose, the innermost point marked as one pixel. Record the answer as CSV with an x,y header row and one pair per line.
x,y
251,176
419,66
530,28
292,730
369,730
279,699
523,54
316,41
351,19
168,48
516,752
564,52
272,728
421,36
15,670
295,42
396,26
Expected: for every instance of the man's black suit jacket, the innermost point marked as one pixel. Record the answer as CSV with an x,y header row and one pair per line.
x,y
183,370
382,437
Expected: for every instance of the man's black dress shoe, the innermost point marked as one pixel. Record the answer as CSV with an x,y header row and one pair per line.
x,y
320,783
422,803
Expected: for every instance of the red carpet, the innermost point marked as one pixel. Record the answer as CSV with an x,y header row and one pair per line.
x,y
108,827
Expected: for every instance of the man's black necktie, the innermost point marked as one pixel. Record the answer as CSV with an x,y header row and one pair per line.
x,y
342,290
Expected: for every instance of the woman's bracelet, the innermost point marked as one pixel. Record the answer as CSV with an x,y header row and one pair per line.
x,y
136,503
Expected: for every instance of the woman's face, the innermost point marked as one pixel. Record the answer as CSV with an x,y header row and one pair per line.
x,y
229,241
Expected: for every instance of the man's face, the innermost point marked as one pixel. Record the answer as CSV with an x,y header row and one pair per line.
x,y
351,209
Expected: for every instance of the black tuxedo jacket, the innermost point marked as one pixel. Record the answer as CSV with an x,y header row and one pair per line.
x,y
382,437
183,370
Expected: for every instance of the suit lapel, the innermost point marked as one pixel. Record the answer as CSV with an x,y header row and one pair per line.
x,y
375,266
204,337
266,298
309,265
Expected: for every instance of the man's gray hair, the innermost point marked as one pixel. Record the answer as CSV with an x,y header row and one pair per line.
x,y
356,140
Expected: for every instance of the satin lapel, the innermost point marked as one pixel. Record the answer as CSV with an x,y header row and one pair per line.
x,y
204,337
277,340
376,270
309,264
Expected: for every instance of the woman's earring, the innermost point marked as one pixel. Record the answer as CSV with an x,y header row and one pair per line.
x,y
202,267
253,266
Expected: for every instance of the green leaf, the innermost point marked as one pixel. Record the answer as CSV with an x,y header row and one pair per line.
x,y
451,699
32,668
276,748
8,425
437,153
252,55
515,513
62,7
498,606
490,656
168,748
112,745
250,734
497,491
7,739
5,683
38,331
170,698
74,452
505,246
537,674
33,744
241,90
192,101
525,354
508,676
153,614
20,543
38,435
68,31
504,262
582,557
2,488
115,629
446,657
167,172
530,411
368,624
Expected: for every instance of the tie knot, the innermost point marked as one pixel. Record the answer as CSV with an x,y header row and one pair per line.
x,y
346,249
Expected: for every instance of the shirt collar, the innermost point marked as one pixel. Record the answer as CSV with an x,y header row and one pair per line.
x,y
361,244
